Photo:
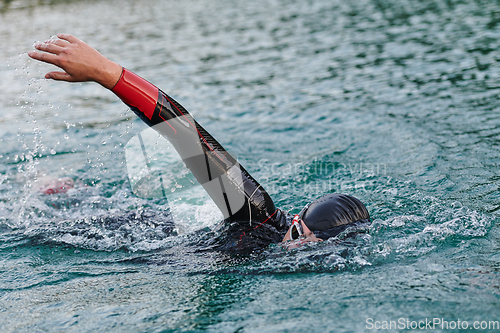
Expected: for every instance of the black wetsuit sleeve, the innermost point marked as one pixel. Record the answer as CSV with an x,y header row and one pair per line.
x,y
235,192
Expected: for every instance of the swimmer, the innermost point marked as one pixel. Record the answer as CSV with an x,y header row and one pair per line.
x,y
251,220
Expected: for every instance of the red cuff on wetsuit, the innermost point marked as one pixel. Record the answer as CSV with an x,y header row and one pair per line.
x,y
133,90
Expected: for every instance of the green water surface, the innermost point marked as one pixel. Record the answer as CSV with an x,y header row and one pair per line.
x,y
394,102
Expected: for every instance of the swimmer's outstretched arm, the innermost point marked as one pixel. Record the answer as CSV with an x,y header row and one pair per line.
x,y
231,187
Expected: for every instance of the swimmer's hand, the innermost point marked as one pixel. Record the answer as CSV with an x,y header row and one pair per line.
x,y
79,61
293,244
288,243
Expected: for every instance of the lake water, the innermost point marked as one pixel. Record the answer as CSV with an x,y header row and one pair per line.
x,y
392,101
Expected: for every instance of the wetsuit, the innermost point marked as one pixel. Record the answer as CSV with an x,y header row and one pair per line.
x,y
251,219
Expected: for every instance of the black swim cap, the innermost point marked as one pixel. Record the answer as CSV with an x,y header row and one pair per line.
x,y
333,213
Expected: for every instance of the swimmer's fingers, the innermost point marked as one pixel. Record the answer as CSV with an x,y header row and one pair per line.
x,y
58,42
59,61
50,47
60,76
45,57
70,38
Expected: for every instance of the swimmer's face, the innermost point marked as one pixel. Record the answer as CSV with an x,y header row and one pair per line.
x,y
307,235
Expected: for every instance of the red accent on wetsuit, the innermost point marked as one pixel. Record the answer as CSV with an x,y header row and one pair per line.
x,y
137,92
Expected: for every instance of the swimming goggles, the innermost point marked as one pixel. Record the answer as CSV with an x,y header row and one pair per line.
x,y
296,230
